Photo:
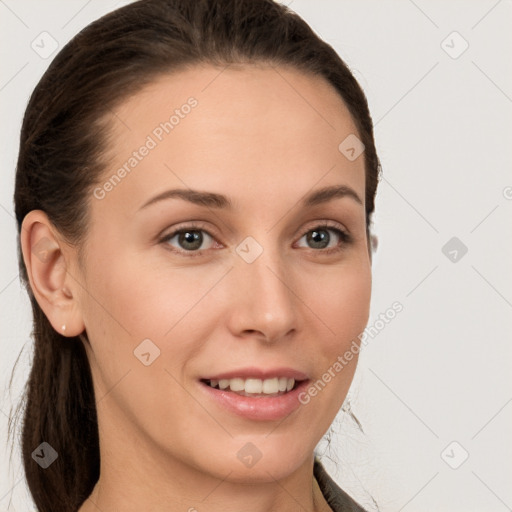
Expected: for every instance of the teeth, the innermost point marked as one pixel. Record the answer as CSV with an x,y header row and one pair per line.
x,y
268,386
254,386
271,386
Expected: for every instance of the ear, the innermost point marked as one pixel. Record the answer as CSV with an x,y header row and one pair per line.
x,y
48,259
374,242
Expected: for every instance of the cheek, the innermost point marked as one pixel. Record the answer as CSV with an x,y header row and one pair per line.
x,y
131,301
142,301
127,303
340,298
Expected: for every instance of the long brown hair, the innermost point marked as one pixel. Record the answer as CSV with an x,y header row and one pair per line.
x,y
63,142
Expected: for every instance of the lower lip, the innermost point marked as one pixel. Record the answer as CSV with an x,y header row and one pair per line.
x,y
257,408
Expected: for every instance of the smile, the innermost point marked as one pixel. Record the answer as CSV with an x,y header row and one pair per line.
x,y
254,387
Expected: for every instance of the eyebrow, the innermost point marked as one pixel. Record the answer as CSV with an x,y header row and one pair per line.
x,y
219,201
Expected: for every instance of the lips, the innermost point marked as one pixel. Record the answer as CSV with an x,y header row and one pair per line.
x,y
256,407
256,393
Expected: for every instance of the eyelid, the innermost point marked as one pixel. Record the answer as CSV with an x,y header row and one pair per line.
x,y
327,224
191,225
345,237
188,226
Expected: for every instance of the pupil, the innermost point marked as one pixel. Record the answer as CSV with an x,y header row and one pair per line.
x,y
193,238
321,238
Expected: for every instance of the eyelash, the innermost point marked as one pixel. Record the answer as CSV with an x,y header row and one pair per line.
x,y
345,238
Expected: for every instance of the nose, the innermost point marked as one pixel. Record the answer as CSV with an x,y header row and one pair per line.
x,y
263,303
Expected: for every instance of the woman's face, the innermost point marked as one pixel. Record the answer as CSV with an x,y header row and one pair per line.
x,y
255,287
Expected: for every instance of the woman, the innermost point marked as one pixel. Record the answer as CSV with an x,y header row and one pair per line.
x,y
194,193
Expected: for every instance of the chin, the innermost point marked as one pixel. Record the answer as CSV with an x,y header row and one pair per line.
x,y
260,459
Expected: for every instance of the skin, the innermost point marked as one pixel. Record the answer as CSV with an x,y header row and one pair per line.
x,y
263,137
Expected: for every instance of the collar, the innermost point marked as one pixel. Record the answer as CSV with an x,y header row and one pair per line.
x,y
336,497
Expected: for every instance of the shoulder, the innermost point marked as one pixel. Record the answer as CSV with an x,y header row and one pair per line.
x,y
336,497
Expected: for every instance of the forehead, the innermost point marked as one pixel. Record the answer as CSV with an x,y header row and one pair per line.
x,y
266,129
238,94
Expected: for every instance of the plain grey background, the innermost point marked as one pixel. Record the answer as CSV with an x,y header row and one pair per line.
x,y
433,390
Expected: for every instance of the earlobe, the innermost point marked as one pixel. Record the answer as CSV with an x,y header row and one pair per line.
x,y
372,246
48,273
375,242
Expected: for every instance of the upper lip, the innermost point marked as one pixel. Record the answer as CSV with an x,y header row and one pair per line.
x,y
259,373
